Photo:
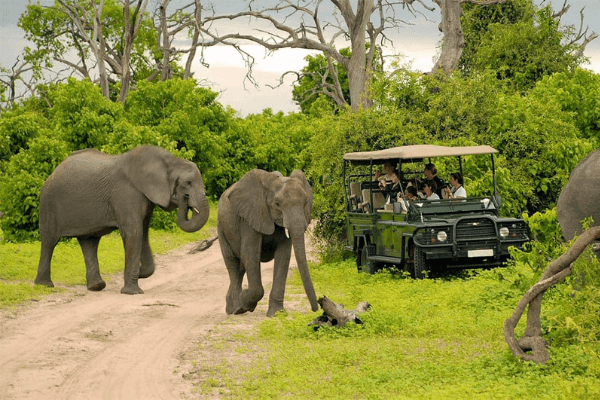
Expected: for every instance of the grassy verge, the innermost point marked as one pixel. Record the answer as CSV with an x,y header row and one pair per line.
x,y
19,261
426,339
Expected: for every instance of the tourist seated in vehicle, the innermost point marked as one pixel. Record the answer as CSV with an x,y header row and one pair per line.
x,y
430,173
388,168
391,191
411,195
429,188
457,191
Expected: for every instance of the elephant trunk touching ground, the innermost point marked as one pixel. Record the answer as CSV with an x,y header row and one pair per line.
x,y
300,252
200,211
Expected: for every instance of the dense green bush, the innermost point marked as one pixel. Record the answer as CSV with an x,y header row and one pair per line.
x,y
17,128
81,116
20,186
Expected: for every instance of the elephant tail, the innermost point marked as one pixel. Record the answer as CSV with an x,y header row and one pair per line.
x,y
203,245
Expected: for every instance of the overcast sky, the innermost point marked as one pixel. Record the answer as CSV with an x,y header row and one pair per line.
x,y
226,73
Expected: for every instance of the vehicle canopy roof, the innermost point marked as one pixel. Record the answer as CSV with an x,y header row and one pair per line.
x,y
415,153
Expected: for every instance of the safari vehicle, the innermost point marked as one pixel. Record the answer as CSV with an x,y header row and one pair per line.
x,y
430,234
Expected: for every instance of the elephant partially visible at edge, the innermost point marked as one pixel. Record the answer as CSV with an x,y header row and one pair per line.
x,y
91,194
579,198
255,215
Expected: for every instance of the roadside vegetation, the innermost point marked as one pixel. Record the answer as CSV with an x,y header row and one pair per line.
x,y
422,339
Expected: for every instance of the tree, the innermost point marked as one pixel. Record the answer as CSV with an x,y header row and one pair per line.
x,y
314,80
532,339
346,21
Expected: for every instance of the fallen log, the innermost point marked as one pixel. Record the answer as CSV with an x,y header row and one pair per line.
x,y
336,315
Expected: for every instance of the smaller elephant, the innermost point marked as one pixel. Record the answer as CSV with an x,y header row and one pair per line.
x,y
579,198
91,194
255,216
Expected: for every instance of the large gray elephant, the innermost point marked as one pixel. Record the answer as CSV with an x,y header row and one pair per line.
x,y
255,216
579,198
91,194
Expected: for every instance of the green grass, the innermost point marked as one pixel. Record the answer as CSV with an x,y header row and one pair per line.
x,y
19,261
425,339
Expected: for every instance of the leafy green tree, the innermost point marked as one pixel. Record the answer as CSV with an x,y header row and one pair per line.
x,y
476,22
81,115
541,144
522,53
17,128
577,94
21,184
315,78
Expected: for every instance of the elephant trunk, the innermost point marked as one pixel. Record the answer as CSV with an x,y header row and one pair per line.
x,y
199,214
300,252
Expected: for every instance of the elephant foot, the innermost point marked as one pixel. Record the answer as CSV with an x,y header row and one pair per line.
x,y
96,286
43,282
274,310
146,273
131,289
243,309
240,310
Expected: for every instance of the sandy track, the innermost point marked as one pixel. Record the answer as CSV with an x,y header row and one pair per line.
x,y
105,345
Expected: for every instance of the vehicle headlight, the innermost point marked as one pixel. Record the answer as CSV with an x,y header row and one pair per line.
x,y
442,236
504,232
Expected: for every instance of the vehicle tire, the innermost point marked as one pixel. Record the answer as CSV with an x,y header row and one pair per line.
x,y
420,264
363,263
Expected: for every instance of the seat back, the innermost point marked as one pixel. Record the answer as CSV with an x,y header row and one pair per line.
x,y
354,188
378,200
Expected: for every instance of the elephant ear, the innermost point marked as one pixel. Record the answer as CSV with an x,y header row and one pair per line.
x,y
148,171
248,199
297,174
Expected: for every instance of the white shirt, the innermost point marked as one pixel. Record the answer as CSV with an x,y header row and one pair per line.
x,y
460,192
433,196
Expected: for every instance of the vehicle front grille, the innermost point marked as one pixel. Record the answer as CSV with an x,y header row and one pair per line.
x,y
475,228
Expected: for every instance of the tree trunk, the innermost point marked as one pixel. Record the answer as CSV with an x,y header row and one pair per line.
x,y
166,47
454,38
197,19
558,270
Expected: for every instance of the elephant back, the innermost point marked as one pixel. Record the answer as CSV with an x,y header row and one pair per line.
x,y
579,198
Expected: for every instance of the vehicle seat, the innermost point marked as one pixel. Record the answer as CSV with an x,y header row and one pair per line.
x,y
378,200
355,199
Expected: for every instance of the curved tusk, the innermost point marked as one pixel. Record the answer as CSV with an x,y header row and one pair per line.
x,y
287,233
195,210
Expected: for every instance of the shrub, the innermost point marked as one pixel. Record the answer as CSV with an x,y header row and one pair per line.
x,y
20,187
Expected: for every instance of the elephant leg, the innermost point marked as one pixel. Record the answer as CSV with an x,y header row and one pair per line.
x,y
250,259
283,253
132,241
43,274
236,276
89,247
147,267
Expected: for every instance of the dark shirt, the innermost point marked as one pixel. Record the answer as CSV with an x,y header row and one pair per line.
x,y
439,182
391,192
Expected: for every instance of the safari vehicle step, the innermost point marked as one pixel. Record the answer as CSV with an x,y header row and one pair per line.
x,y
427,234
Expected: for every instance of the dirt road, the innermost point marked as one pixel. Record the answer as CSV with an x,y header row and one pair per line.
x,y
105,345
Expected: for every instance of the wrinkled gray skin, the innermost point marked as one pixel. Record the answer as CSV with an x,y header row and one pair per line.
x,y
580,197
253,216
91,194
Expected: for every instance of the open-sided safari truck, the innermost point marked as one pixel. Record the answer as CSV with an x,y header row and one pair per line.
x,y
429,234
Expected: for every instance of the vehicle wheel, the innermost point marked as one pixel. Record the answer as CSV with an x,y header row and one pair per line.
x,y
420,265
363,263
